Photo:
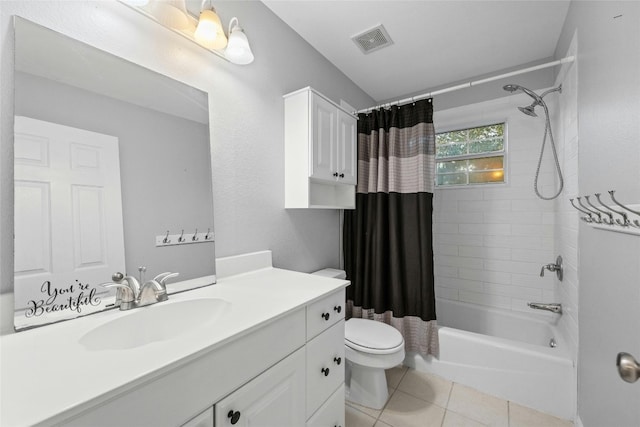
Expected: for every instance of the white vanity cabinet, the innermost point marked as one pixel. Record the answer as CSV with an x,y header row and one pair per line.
x,y
320,152
265,362
325,361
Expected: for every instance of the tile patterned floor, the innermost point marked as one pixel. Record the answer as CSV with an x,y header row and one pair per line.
x,y
420,399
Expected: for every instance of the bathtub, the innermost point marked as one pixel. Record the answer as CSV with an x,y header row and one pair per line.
x,y
505,354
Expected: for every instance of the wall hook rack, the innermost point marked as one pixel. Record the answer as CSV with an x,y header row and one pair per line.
x,y
605,217
180,239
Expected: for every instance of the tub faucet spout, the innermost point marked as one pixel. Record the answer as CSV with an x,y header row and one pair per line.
x,y
552,307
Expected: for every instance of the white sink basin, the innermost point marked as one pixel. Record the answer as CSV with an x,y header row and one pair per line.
x,y
158,322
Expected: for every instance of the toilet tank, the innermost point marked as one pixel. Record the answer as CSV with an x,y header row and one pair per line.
x,y
331,272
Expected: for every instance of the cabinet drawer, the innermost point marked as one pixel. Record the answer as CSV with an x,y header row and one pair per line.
x,y
325,366
331,414
324,313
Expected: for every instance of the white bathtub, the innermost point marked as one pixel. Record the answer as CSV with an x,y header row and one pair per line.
x,y
505,354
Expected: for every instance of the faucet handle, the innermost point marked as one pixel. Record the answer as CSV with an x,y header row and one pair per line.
x,y
163,277
125,297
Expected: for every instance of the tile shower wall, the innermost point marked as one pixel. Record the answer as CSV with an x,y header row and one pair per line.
x,y
565,122
490,241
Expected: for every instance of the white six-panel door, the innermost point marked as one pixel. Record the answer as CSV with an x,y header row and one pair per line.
x,y
68,208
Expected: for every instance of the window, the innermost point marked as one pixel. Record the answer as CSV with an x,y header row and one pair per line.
x,y
470,156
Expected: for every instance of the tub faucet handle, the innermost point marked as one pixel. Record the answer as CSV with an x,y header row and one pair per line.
x,y
557,268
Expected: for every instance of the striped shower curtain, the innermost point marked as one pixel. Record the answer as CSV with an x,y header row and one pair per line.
x,y
388,237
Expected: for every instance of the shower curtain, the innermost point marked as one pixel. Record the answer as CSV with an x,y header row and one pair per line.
x,y
388,247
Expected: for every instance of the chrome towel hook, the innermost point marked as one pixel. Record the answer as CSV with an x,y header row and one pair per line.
x,y
602,216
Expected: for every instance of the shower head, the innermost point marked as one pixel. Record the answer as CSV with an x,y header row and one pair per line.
x,y
530,110
514,88
511,88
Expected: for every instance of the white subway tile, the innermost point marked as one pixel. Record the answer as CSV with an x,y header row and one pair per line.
x,y
458,239
457,283
443,249
485,275
485,229
544,230
533,280
498,301
485,205
446,293
457,261
513,291
444,271
532,255
444,227
518,267
484,252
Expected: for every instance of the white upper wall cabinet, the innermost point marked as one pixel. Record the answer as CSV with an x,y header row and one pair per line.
x,y
320,152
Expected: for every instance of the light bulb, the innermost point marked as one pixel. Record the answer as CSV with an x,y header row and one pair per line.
x,y
209,32
238,50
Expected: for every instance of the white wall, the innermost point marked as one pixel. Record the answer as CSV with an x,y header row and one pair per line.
x,y
608,93
490,241
246,119
565,127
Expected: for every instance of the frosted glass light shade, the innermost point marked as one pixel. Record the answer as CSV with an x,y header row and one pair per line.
x,y
238,50
209,32
171,13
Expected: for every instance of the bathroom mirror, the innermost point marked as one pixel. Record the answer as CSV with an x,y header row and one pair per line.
x,y
112,171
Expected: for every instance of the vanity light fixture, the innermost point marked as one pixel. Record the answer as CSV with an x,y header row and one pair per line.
x,y
238,50
171,13
209,32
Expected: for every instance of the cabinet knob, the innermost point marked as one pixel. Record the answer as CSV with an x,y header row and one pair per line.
x,y
234,416
325,316
341,175
337,360
325,371
337,308
335,174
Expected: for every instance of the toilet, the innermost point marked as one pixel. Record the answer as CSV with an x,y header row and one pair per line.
x,y
370,348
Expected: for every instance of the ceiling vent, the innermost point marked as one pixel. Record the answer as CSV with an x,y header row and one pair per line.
x,y
372,39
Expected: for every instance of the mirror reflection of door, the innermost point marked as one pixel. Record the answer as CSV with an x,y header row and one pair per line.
x,y
67,195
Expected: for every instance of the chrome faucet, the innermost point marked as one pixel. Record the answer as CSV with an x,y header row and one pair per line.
x,y
557,268
131,294
553,307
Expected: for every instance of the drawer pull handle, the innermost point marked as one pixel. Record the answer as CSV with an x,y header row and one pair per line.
x,y
234,416
325,371
337,308
335,174
325,316
337,360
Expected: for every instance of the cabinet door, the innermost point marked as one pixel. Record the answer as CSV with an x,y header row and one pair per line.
x,y
347,148
331,413
275,398
204,419
323,139
325,366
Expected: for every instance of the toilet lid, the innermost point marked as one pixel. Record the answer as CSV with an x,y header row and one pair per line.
x,y
371,336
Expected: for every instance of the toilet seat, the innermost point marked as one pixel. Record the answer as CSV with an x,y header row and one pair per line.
x,y
372,337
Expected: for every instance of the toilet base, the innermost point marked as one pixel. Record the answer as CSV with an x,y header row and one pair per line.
x,y
366,386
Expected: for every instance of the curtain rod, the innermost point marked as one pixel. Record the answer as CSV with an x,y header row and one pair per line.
x,y
566,60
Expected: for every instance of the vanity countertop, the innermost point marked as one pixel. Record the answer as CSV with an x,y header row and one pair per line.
x,y
47,371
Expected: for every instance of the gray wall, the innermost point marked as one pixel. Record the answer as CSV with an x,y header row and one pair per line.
x,y
246,119
165,170
609,158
